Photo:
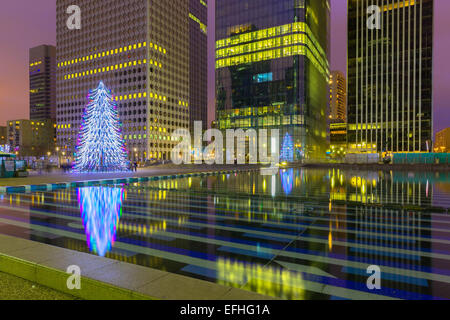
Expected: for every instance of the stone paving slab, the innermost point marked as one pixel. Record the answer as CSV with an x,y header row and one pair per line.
x,y
106,279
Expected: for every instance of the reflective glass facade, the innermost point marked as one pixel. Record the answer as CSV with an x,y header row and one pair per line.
x,y
272,69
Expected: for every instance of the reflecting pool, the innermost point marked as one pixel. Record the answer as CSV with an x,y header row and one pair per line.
x,y
101,208
300,234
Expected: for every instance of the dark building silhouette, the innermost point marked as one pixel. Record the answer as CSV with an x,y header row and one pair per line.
x,y
198,88
43,83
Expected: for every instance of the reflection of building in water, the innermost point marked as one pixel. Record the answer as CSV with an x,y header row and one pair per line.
x,y
255,196
266,280
101,208
434,184
381,188
385,232
157,199
392,238
16,201
337,216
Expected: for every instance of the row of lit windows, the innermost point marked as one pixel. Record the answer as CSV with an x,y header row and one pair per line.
x,y
251,111
111,52
35,63
273,54
261,121
336,126
32,123
151,137
295,27
290,40
151,95
363,146
261,56
155,129
157,155
203,27
262,34
399,4
139,95
379,126
111,68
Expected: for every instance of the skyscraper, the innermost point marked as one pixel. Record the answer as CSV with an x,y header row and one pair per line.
x,y
272,69
42,69
198,55
143,51
390,52
338,96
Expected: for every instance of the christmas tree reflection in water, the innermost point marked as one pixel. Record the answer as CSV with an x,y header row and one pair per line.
x,y
101,208
287,180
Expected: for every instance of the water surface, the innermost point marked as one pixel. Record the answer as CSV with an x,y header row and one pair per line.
x,y
301,234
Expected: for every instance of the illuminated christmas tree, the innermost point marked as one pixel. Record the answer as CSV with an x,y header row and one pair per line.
x,y
100,146
287,149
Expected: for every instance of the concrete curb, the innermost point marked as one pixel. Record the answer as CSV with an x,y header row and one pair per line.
x,y
56,279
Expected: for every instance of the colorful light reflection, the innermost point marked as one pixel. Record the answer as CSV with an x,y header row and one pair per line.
x,y
287,180
101,209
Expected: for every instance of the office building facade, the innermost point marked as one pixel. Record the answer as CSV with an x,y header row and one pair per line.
x,y
338,136
272,69
141,50
198,57
31,138
42,69
338,96
442,142
390,75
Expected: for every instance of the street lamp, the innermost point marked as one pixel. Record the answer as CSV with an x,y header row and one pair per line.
x,y
59,157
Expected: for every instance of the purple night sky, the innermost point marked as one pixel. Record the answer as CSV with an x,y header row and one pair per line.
x,y
24,25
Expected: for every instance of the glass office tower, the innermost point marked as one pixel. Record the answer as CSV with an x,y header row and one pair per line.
x,y
390,76
272,69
